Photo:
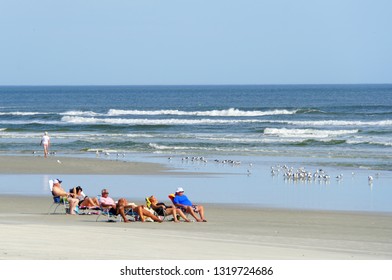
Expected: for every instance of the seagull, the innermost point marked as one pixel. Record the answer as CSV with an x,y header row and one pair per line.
x,y
58,161
370,178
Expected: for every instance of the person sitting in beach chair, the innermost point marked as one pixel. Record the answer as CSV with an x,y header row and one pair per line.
x,y
181,201
85,202
163,210
121,206
58,191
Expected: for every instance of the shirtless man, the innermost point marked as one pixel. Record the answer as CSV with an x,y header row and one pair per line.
x,y
57,190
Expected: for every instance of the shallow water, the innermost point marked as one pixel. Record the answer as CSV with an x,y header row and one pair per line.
x,y
249,183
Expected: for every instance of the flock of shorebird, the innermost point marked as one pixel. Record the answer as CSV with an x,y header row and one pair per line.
x,y
305,175
289,173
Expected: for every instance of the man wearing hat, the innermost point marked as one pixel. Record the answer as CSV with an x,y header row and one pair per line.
x,y
58,190
182,201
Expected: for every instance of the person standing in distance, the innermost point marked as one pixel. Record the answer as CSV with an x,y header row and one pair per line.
x,y
45,141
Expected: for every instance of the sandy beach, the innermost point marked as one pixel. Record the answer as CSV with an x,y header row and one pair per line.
x,y
29,233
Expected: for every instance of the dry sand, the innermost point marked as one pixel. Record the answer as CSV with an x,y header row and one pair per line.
x,y
29,233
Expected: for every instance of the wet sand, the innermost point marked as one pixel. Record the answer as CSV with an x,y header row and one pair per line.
x,y
71,165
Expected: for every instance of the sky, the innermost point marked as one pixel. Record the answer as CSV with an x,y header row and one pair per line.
x,y
187,42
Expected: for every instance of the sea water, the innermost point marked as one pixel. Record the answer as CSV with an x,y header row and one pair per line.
x,y
238,133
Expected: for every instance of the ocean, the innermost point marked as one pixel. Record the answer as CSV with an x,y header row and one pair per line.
x,y
349,124
347,128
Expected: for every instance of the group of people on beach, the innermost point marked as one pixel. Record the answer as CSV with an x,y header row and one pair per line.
x,y
76,197
181,204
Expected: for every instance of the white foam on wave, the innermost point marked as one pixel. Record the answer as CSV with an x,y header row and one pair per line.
x,y
23,113
146,121
364,141
80,113
337,123
306,133
232,112
83,120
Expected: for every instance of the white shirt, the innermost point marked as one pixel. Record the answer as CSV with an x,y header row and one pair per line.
x,y
45,140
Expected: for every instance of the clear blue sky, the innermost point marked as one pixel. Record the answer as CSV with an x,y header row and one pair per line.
x,y
96,42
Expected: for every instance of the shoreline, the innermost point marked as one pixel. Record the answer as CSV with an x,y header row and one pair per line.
x,y
232,232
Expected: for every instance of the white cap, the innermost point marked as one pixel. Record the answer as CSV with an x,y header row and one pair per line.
x,y
179,190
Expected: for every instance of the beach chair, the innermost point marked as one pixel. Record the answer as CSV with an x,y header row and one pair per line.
x,y
83,210
163,215
58,202
111,216
171,197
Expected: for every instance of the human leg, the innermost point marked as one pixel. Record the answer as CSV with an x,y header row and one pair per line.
x,y
189,209
172,211
122,202
45,150
145,212
177,211
200,209
72,205
95,201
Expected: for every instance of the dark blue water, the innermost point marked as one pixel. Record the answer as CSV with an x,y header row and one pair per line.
x,y
346,124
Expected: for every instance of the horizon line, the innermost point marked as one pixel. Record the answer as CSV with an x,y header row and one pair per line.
x,y
191,85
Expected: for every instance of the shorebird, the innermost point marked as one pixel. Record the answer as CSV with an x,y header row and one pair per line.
x,y
58,161
370,178
339,177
